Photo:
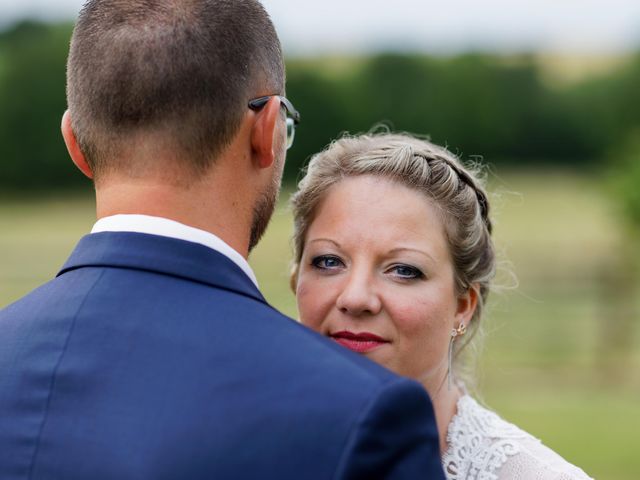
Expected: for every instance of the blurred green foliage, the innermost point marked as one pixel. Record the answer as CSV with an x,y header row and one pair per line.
x,y
500,108
625,183
32,99
476,104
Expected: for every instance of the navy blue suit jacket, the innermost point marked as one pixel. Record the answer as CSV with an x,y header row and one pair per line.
x,y
155,358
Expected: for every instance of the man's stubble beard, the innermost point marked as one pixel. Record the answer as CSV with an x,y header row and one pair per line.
x,y
266,203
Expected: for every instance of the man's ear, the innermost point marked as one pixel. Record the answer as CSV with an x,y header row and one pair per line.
x,y
262,133
72,146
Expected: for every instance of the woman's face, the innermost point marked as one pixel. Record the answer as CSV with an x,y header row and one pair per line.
x,y
376,276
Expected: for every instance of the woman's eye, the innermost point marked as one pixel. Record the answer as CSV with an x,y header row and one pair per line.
x,y
327,262
406,271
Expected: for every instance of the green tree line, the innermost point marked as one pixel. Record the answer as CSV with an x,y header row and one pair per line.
x,y
477,104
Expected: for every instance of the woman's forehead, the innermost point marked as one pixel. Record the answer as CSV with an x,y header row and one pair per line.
x,y
377,210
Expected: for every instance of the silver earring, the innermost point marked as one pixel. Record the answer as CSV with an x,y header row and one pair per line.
x,y
455,332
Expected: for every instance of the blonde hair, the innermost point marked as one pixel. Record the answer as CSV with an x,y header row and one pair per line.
x,y
456,191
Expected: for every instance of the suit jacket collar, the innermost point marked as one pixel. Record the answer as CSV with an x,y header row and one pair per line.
x,y
163,255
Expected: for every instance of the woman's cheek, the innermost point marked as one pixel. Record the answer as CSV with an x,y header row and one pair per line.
x,y
311,304
411,315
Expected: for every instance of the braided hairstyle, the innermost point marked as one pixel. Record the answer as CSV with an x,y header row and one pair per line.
x,y
455,190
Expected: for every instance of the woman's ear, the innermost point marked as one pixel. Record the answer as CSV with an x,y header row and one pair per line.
x,y
262,133
71,142
293,279
467,304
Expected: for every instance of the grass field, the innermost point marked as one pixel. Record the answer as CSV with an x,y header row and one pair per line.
x,y
550,361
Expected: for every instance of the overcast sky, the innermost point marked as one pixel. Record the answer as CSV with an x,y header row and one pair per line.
x,y
342,26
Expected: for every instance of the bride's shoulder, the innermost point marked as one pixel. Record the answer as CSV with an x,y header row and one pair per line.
x,y
484,446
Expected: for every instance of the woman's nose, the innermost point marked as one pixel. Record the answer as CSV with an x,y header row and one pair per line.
x,y
359,296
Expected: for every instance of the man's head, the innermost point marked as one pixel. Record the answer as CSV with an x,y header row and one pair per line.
x,y
174,74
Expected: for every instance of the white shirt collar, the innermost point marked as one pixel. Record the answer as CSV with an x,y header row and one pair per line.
x,y
172,229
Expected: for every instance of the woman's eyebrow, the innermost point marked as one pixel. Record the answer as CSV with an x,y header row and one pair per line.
x,y
409,249
325,240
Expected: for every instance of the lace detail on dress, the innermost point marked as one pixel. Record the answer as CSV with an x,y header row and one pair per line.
x,y
481,444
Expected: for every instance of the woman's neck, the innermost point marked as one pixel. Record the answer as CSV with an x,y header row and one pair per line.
x,y
445,402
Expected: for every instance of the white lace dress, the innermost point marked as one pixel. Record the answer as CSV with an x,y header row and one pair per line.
x,y
483,446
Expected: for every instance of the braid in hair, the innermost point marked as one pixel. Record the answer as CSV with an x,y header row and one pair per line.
x,y
468,181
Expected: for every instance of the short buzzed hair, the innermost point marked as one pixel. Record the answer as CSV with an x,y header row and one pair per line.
x,y
181,69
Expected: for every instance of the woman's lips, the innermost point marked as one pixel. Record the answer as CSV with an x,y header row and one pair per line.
x,y
358,342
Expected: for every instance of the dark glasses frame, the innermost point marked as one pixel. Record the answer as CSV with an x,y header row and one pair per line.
x,y
258,103
293,116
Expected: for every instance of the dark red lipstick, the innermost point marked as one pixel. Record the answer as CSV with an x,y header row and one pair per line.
x,y
362,342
